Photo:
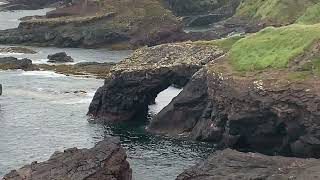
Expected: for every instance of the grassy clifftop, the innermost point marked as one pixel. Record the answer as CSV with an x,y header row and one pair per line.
x,y
273,47
275,11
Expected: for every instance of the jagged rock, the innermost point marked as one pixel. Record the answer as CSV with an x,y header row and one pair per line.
x,y
60,57
272,115
17,50
107,160
233,165
14,63
134,83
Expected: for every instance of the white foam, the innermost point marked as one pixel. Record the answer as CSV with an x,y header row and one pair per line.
x,y
42,73
11,54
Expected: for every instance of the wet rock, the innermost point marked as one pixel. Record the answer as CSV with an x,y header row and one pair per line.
x,y
17,50
134,83
266,116
14,63
107,160
60,57
233,165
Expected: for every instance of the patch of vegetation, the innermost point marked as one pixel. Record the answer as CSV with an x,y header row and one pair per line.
x,y
275,11
272,47
224,43
311,16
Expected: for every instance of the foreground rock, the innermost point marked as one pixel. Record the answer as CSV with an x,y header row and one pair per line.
x,y
134,83
107,160
17,50
60,57
13,63
233,165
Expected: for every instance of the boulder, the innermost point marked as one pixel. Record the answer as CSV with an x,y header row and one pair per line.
x,y
14,63
107,160
233,165
60,57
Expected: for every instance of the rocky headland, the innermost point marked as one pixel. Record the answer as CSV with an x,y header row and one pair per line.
x,y
106,160
230,97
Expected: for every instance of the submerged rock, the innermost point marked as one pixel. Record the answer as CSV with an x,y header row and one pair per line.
x,y
233,165
134,83
14,63
60,57
107,160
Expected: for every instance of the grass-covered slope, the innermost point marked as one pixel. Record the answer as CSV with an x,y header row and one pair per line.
x,y
273,47
274,11
311,16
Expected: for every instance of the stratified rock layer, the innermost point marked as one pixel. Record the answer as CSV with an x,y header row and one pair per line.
x,y
233,165
107,160
134,83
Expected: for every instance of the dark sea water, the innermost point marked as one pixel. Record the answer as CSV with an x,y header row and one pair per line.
x,y
40,114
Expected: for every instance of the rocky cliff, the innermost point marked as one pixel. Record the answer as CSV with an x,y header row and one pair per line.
x,y
107,160
134,83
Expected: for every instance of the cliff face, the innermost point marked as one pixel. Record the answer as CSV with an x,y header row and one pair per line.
x,y
107,160
265,115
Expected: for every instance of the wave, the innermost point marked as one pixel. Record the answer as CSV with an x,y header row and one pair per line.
x,y
42,73
11,54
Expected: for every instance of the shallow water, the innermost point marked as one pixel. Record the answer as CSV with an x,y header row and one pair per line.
x,y
78,54
40,114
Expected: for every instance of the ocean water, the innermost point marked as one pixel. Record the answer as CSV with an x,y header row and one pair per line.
x,y
40,113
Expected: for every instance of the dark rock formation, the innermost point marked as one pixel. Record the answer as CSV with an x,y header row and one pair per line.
x,y
134,83
270,115
17,50
60,57
233,165
14,63
107,160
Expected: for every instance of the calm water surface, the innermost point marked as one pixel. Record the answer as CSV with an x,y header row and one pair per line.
x,y
40,114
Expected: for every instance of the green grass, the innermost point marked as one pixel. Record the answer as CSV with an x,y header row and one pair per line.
x,y
311,16
272,47
275,11
224,43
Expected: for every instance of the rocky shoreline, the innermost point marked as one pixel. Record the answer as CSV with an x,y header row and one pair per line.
x,y
256,92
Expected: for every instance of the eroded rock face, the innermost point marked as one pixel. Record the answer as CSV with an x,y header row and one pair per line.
x,y
107,160
134,83
233,165
269,115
